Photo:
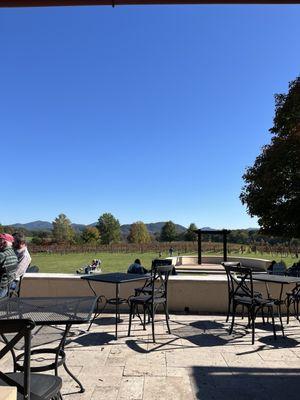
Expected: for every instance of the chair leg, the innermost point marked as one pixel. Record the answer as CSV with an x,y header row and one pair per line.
x,y
280,318
130,318
288,303
252,313
229,308
273,322
233,317
249,320
167,317
263,316
152,318
144,320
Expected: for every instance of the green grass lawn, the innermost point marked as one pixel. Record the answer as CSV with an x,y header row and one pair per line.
x,y
112,262
69,263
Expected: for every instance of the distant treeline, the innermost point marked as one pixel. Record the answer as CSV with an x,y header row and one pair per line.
x,y
236,236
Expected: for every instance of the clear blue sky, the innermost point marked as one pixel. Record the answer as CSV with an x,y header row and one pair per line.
x,y
150,113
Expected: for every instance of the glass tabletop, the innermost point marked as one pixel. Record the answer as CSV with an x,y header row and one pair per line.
x,y
115,277
48,310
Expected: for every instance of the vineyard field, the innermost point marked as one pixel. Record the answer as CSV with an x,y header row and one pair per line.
x,y
112,262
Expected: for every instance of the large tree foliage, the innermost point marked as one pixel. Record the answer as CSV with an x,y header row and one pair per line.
x,y
109,228
62,229
139,233
168,232
90,234
272,184
190,235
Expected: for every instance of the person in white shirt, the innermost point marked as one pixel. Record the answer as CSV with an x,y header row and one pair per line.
x,y
24,258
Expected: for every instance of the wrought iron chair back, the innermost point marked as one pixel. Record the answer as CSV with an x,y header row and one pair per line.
x,y
22,328
240,287
147,287
294,270
240,281
159,282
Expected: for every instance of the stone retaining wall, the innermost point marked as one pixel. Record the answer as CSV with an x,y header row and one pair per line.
x,y
196,294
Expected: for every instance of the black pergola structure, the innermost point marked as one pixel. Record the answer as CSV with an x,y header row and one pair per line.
x,y
223,232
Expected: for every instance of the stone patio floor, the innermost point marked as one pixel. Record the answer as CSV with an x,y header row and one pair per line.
x,y
199,360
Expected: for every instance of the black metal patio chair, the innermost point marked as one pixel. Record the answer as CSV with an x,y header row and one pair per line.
x,y
242,293
231,291
147,287
30,386
158,296
294,270
293,298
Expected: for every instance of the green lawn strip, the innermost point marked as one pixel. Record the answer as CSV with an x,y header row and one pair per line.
x,y
113,262
69,263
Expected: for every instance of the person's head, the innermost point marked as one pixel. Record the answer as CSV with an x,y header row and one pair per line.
x,y
137,261
6,240
19,241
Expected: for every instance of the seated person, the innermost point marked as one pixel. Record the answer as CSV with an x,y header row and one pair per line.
x,y
93,267
270,267
95,264
8,263
24,258
137,268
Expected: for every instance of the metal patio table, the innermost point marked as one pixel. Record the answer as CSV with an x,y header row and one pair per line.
x,y
116,278
279,279
47,311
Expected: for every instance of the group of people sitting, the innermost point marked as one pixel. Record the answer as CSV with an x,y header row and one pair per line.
x,y
137,268
280,268
14,261
93,267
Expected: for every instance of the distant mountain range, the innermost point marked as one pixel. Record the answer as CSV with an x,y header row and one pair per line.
x,y
153,228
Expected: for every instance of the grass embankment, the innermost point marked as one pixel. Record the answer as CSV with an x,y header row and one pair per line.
x,y
113,262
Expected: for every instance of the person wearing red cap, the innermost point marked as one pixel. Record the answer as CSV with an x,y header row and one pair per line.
x,y
8,263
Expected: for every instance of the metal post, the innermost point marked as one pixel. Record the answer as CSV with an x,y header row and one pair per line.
x,y
224,245
117,309
199,247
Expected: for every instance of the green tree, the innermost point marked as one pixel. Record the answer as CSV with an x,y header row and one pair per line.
x,y
62,230
190,235
109,228
139,233
168,232
272,184
90,234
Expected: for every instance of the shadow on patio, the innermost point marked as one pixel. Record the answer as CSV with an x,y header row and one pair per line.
x,y
245,383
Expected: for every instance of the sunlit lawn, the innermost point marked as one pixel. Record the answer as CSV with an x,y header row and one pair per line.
x,y
112,262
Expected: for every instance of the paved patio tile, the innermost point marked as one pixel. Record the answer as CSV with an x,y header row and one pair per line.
x,y
131,388
199,360
167,388
105,393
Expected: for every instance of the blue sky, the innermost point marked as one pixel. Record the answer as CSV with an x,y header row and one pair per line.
x,y
150,113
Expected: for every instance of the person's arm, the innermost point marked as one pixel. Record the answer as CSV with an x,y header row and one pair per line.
x,y
23,264
2,258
